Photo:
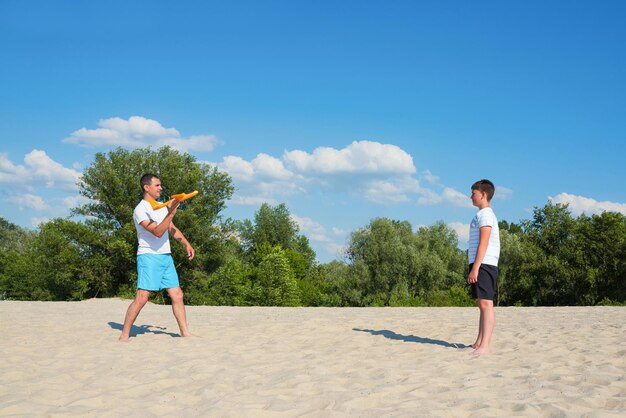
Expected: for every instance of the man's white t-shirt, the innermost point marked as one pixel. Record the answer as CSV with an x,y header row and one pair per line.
x,y
148,242
485,217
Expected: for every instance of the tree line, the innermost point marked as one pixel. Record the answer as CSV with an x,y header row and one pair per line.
x,y
551,259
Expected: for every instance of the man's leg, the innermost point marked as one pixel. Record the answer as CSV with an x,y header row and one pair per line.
x,y
178,307
488,316
133,311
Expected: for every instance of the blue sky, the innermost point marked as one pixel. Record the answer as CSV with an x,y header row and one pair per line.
x,y
345,111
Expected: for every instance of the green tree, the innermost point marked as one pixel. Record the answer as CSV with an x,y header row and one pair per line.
x,y
402,267
272,226
15,243
276,284
229,285
111,184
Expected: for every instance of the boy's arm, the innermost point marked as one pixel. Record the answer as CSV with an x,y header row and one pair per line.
x,y
483,242
178,236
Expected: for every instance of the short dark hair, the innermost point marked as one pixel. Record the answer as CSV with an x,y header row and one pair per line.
x,y
146,180
485,186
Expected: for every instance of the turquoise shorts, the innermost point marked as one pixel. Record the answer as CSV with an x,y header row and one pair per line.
x,y
156,272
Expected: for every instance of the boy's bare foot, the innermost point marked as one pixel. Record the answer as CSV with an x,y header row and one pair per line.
x,y
123,339
481,352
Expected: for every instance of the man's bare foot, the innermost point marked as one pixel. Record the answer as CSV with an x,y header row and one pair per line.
x,y
123,339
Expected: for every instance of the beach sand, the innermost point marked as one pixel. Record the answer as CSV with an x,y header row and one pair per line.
x,y
63,359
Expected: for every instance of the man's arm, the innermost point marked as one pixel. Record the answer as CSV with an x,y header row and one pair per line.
x,y
178,236
159,229
483,242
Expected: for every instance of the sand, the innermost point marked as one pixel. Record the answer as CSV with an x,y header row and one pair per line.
x,y
63,359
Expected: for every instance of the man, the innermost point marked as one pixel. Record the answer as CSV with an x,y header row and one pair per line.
x,y
155,266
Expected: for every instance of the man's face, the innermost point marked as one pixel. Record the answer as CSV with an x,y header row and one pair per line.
x,y
154,188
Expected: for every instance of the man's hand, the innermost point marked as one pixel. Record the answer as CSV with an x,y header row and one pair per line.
x,y
171,207
191,253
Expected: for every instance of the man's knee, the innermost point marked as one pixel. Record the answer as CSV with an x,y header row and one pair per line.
x,y
176,294
142,297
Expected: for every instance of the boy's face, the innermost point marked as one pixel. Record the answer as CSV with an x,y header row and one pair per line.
x,y
154,188
478,197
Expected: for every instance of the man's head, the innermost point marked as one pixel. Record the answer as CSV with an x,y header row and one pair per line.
x,y
151,185
482,188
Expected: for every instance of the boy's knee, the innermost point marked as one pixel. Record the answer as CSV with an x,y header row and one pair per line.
x,y
485,303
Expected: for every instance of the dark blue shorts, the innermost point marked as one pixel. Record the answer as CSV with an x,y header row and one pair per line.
x,y
486,286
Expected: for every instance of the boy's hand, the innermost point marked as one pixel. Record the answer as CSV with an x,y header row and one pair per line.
x,y
473,277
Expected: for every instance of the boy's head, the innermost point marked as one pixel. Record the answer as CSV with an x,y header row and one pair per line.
x,y
485,186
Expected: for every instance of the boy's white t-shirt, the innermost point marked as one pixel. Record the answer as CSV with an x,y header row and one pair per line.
x,y
148,242
485,217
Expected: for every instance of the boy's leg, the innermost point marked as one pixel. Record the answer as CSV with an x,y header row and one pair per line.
x,y
133,311
488,319
178,307
479,337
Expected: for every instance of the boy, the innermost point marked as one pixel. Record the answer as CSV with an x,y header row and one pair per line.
x,y
155,267
484,251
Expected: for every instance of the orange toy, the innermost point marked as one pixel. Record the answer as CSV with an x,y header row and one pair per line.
x,y
180,197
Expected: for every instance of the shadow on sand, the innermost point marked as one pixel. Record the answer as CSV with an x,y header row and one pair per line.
x,y
411,338
143,329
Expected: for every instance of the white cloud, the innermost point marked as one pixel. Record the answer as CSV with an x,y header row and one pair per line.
x,y
503,193
270,167
38,168
197,143
448,195
317,233
457,198
462,230
375,171
238,168
429,197
43,167
338,231
259,180
394,190
29,201
137,132
75,201
35,222
358,157
11,173
380,173
251,200
430,177
579,205
263,167
381,191
314,230
336,249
